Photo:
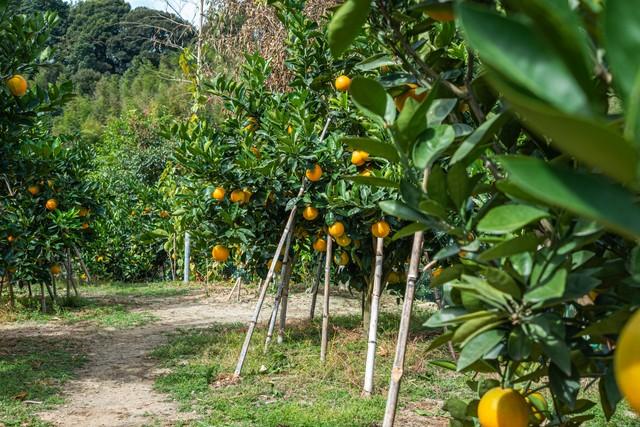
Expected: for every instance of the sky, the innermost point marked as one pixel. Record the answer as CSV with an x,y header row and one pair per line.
x,y
187,9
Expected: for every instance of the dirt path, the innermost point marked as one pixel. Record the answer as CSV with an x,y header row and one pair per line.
x,y
115,386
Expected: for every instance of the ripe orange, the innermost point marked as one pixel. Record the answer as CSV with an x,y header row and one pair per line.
x,y
85,226
218,193
247,195
393,278
83,212
503,407
55,269
164,214
626,362
220,253
343,83
437,272
252,126
34,190
289,130
314,174
336,229
400,100
255,151
341,259
310,213
51,205
343,240
237,196
278,267
10,238
359,158
365,172
320,245
133,213
381,229
17,85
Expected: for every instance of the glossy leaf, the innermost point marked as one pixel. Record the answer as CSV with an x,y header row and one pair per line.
x,y
431,144
346,23
621,40
478,347
525,243
373,147
372,99
508,218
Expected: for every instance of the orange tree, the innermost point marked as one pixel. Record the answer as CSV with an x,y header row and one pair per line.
x,y
44,209
237,179
518,146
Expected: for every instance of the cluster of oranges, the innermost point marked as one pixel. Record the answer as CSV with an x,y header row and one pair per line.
x,y
237,196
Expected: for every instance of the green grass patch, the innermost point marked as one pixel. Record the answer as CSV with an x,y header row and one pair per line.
x,y
143,290
289,386
32,371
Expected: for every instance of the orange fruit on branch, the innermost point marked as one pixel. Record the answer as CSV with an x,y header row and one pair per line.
x,y
320,245
237,196
314,174
34,190
400,100
381,229
343,83
83,212
51,205
10,238
85,226
247,195
359,157
218,193
164,214
341,259
503,407
336,229
626,362
55,269
220,253
441,12
343,240
17,85
310,213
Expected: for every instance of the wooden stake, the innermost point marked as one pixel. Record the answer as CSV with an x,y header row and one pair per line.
x,y
278,298
233,289
316,285
12,297
403,334
265,285
285,298
373,322
325,306
82,264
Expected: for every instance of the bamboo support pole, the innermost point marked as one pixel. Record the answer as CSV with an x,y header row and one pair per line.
x,y
403,334
285,298
43,299
316,285
325,307
235,285
278,297
373,322
265,286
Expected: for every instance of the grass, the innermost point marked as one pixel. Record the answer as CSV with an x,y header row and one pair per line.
x,y
289,386
32,371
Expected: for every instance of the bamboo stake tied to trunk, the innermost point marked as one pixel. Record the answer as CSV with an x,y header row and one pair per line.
x,y
325,306
373,322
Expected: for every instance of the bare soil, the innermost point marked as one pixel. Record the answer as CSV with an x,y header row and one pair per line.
x,y
115,387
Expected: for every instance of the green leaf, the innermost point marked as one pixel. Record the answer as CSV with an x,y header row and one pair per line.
x,y
409,230
518,345
346,23
508,218
458,184
412,120
611,324
521,55
564,385
373,181
621,40
587,195
525,243
375,61
372,99
439,110
431,144
548,331
552,288
610,395
587,139
437,186
482,134
478,347
403,211
373,147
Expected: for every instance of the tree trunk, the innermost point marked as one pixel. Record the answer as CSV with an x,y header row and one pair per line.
x,y
12,297
43,299
316,285
373,324
403,334
325,306
29,290
278,298
265,285
82,264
